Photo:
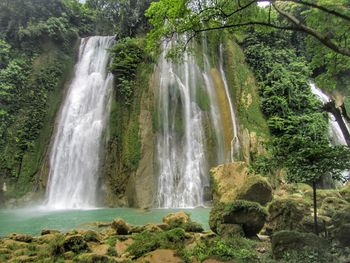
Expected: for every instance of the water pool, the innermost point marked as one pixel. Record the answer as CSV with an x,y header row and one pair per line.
x,y
33,220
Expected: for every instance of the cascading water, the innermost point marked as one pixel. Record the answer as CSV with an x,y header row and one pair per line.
x,y
182,162
335,133
181,141
74,158
235,146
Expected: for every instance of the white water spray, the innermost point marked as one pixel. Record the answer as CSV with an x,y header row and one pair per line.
x,y
74,158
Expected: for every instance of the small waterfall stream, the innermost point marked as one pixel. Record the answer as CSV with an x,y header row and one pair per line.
x,y
335,133
181,141
235,146
75,154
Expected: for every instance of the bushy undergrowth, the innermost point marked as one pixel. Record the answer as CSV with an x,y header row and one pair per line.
x,y
238,249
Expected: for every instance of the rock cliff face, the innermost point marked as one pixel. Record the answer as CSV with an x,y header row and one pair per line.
x,y
142,184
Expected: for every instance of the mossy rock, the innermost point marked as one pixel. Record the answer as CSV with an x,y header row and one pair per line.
x,y
308,225
91,236
341,226
21,237
230,230
321,195
287,241
286,214
342,234
256,189
250,215
49,232
176,219
332,204
93,258
345,193
75,243
193,227
120,227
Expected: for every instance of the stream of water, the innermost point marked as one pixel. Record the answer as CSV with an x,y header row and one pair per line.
x,y
76,150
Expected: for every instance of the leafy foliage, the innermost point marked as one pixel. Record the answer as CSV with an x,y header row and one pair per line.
x,y
238,249
127,54
295,118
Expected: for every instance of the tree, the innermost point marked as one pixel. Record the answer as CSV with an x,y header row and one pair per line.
x,y
311,161
180,16
298,124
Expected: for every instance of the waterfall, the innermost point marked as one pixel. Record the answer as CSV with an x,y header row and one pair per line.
x,y
335,133
235,146
75,153
181,140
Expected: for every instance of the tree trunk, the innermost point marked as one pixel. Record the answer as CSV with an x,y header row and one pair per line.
x,y
331,108
315,207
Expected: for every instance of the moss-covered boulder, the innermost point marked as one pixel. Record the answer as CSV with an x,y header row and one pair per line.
x,y
249,215
93,258
341,226
286,214
230,230
91,236
256,189
176,219
307,224
288,241
120,227
49,232
330,205
75,243
321,195
345,193
226,179
21,237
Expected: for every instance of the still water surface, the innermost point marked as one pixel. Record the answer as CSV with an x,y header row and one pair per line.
x,y
33,220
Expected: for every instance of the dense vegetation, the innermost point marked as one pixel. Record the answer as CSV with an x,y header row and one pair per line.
x,y
37,40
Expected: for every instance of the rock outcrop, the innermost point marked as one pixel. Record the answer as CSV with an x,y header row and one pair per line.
x,y
232,181
237,215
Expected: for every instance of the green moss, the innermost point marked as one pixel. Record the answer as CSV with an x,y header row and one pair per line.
x,y
124,146
243,90
149,241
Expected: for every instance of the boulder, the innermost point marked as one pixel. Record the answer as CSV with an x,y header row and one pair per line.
x,y
249,215
341,226
75,243
286,214
193,227
230,230
321,195
232,181
49,231
120,227
256,189
176,219
345,193
330,205
287,241
21,237
92,258
342,234
308,225
226,179
91,236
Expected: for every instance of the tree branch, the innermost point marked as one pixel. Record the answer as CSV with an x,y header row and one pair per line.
x,y
322,8
322,38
